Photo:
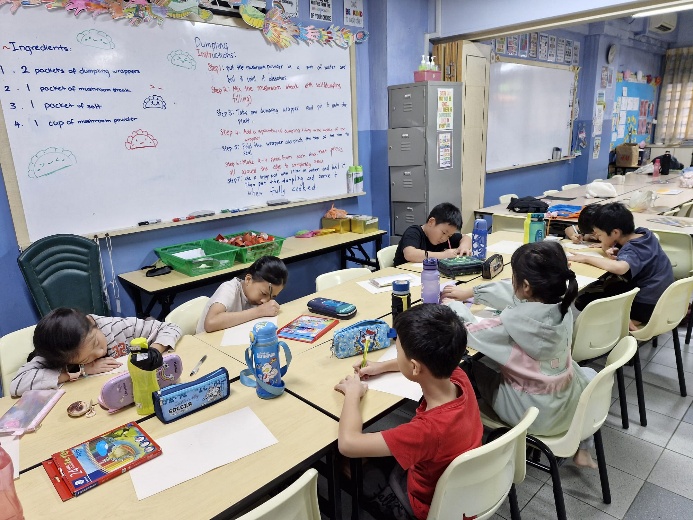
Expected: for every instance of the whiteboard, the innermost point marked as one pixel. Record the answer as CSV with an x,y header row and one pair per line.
x,y
530,110
110,125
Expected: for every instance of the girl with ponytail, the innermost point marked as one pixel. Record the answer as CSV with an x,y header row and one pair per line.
x,y
527,347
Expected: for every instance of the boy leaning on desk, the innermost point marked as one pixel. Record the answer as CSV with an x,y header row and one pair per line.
x,y
431,340
439,237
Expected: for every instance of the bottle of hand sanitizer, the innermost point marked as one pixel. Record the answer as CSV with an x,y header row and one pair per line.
x,y
422,65
433,63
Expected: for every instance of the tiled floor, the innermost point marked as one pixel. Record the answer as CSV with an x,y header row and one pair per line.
x,y
650,468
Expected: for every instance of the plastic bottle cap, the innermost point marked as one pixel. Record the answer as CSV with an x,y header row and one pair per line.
x,y
430,263
400,286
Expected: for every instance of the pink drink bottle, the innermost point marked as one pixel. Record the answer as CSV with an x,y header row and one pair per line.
x,y
10,508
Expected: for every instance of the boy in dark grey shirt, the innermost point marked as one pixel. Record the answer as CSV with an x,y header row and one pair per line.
x,y
634,254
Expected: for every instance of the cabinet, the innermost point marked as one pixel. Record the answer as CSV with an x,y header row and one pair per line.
x,y
424,150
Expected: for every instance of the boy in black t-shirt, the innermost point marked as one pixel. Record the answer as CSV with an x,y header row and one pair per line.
x,y
439,237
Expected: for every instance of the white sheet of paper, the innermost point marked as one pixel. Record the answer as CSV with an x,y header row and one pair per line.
x,y
122,368
201,448
10,443
669,192
504,247
240,334
394,382
189,255
584,281
570,245
414,280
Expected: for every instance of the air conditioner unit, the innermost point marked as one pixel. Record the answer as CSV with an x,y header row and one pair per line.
x,y
663,23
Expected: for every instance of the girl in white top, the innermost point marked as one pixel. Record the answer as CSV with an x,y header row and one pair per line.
x,y
243,299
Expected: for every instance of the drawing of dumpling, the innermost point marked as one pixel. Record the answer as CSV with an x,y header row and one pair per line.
x,y
140,139
95,38
183,59
50,161
154,101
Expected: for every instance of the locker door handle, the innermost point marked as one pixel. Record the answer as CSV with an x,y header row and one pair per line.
x,y
409,208
405,136
407,173
407,96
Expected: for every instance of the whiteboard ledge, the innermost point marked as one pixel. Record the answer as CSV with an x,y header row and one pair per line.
x,y
217,216
517,167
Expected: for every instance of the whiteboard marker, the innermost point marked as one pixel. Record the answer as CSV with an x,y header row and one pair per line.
x,y
149,222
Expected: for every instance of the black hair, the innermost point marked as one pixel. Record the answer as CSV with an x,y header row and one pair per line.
x,y
446,213
544,266
59,334
614,216
433,335
270,269
586,219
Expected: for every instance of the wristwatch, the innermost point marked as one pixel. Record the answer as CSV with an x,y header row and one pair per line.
x,y
75,371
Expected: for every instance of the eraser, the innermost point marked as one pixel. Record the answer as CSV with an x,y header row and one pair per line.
x,y
201,213
277,202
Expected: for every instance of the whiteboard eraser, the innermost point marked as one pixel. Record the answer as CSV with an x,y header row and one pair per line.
x,y
277,202
201,213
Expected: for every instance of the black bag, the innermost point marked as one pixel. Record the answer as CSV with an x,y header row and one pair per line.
x,y
528,205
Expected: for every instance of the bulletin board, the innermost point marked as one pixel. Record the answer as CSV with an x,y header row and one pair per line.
x,y
108,125
530,112
633,113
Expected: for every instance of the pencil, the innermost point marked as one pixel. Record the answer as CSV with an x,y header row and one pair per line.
x,y
365,353
270,290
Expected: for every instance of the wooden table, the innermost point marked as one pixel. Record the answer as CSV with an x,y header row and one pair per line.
x,y
59,431
304,436
163,289
643,220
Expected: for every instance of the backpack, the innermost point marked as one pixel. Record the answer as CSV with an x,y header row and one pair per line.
x,y
527,205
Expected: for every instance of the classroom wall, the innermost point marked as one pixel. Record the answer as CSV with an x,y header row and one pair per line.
x,y
131,252
684,30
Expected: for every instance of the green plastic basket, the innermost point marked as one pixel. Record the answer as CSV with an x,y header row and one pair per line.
x,y
217,255
252,253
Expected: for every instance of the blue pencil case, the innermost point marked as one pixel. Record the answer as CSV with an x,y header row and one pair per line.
x,y
176,401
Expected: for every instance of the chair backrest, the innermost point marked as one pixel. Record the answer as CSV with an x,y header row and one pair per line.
x,y
551,192
14,349
671,212
671,308
505,199
679,249
569,186
477,482
685,209
327,280
64,271
601,325
187,314
595,400
297,502
501,222
386,257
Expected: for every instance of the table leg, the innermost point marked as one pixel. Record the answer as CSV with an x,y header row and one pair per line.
x,y
334,491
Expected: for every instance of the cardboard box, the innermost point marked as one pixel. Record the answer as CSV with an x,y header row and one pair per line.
x,y
341,225
364,224
627,154
427,75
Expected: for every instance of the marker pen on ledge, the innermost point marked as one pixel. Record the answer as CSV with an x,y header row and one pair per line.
x,y
149,222
178,219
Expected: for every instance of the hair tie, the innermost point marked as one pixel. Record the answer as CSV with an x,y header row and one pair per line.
x,y
571,275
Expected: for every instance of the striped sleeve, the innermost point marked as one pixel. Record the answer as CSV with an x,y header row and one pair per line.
x,y
34,376
120,331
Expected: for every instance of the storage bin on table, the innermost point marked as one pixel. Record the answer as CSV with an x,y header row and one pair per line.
x,y
246,254
217,256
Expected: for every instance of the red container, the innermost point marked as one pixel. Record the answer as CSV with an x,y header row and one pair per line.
x,y
427,75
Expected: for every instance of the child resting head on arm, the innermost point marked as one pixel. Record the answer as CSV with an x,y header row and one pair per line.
x,y
69,344
244,299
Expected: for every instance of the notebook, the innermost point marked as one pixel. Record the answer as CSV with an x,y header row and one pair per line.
x,y
83,467
28,412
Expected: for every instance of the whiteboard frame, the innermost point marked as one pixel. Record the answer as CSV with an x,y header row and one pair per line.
x,y
14,197
576,71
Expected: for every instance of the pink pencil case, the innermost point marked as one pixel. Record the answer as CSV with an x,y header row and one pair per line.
x,y
117,392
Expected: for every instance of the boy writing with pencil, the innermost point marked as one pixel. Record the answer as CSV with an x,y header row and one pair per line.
x,y
431,341
439,237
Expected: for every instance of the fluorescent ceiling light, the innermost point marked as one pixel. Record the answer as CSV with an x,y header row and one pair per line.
x,y
663,10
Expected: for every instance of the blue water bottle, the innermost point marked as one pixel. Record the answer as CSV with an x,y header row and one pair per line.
x,y
262,357
479,236
430,281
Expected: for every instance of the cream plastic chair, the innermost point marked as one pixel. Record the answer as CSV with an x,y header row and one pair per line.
x,y
671,308
297,502
597,330
679,249
505,199
500,222
187,314
671,212
327,280
685,209
386,257
477,482
14,349
590,414
569,186
551,192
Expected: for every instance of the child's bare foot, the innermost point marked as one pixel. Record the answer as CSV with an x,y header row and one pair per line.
x,y
583,459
